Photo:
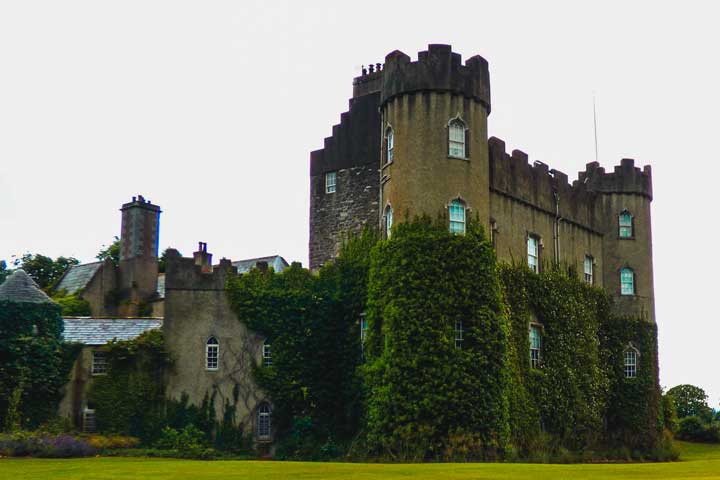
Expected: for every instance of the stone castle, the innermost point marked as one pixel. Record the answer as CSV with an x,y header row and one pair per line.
x,y
415,141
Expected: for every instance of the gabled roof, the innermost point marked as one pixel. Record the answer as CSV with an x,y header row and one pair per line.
x,y
277,262
20,288
77,277
99,331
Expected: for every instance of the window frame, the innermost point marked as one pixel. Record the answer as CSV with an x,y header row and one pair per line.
x,y
266,354
263,418
388,219
389,144
534,266
98,368
626,225
623,281
630,369
331,187
535,351
589,277
457,124
452,207
212,344
459,331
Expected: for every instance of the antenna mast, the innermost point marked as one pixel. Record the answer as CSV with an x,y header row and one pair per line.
x,y
595,125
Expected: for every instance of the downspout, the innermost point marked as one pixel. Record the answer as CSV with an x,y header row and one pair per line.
x,y
556,228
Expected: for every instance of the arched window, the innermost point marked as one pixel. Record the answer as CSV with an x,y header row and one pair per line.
x,y
535,346
456,138
263,421
630,362
212,353
266,354
625,225
390,144
627,281
388,221
457,217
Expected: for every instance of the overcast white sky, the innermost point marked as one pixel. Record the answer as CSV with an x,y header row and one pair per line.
x,y
210,109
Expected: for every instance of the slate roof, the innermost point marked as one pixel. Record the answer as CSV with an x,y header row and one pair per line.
x,y
277,262
99,331
78,276
19,287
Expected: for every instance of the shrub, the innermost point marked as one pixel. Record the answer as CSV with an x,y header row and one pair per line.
x,y
21,444
695,429
188,442
111,442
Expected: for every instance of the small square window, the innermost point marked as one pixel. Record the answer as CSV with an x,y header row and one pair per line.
x,y
330,182
99,363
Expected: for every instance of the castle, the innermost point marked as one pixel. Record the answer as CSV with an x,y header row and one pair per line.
x,y
414,141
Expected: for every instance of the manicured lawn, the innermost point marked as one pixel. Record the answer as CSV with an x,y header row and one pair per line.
x,y
699,461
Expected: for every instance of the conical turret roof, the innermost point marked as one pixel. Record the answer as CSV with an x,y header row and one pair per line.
x,y
20,288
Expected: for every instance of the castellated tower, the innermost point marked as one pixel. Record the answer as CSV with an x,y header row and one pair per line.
x,y
138,270
415,141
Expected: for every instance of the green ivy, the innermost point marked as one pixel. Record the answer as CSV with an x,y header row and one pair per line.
x,y
72,305
34,362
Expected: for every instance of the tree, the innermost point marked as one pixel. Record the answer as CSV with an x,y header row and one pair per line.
x,y
111,251
163,259
690,401
4,272
44,270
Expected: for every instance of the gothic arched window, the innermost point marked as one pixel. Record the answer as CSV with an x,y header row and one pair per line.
x,y
456,138
263,421
630,362
388,221
457,217
212,354
625,225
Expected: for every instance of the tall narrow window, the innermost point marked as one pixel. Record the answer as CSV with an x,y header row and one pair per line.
x,y
456,138
363,328
330,182
388,221
535,345
625,223
212,354
588,269
89,423
627,281
457,217
630,363
263,421
533,250
458,333
390,144
267,356
99,362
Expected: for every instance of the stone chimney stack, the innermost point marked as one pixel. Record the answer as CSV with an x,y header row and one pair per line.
x,y
139,237
203,259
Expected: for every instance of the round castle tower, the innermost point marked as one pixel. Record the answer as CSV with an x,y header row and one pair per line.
x,y
434,134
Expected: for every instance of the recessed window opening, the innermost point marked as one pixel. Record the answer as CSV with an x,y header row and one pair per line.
x,y
457,217
625,223
533,252
263,421
535,346
631,363
458,333
627,281
588,269
390,144
212,354
266,354
99,362
330,182
456,138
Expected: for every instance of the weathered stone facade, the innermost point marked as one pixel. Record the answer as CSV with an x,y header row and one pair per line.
x,y
417,102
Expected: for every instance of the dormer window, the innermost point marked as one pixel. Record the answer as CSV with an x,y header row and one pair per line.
x,y
457,138
625,225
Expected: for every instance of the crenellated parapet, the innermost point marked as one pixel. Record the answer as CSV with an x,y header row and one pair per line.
x,y
438,69
196,273
625,178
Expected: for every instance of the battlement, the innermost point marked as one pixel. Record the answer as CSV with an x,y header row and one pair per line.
x,y
140,202
437,69
196,273
548,189
625,178
369,82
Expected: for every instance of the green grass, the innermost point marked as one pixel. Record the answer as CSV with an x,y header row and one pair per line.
x,y
698,462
